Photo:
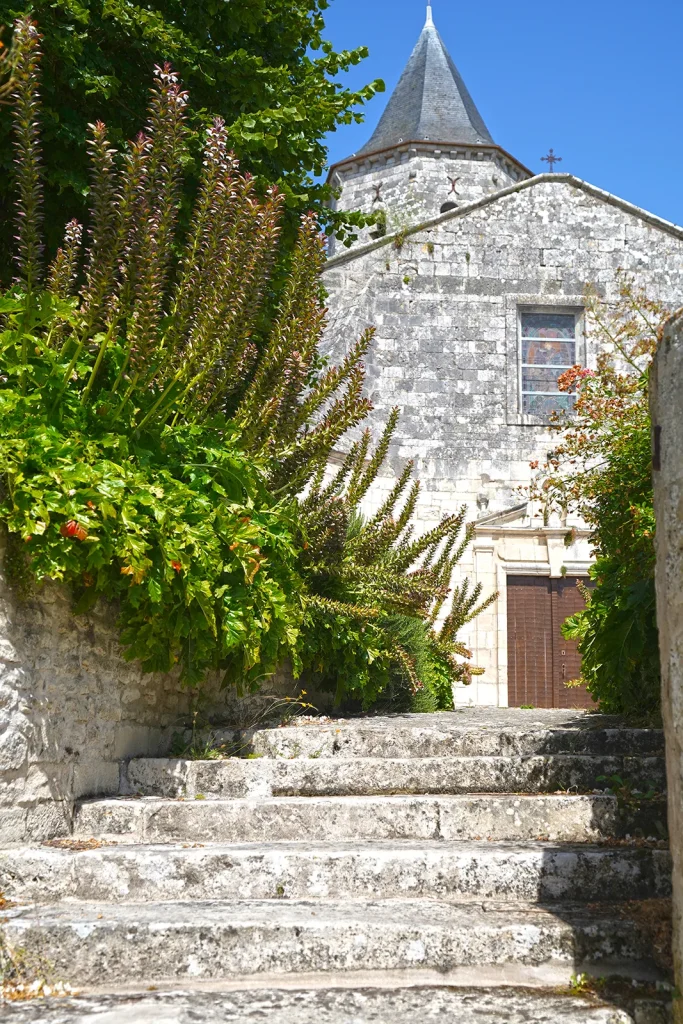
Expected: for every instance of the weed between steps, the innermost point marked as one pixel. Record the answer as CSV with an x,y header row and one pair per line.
x,y
284,710
24,976
616,991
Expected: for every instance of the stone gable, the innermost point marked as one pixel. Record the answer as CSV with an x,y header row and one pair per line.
x,y
445,298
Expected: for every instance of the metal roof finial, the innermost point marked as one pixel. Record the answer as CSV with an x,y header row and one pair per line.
x,y
430,20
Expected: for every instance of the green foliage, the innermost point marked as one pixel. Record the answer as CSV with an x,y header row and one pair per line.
x,y
618,641
629,797
177,527
263,66
602,468
165,436
381,619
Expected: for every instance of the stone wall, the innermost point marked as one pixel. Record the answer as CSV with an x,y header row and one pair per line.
x,y
72,710
667,417
411,184
445,303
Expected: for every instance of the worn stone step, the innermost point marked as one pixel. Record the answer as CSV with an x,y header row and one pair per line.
x,y
302,870
467,732
101,943
391,1005
559,818
239,777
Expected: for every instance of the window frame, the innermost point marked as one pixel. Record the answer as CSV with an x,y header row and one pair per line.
x,y
539,311
515,305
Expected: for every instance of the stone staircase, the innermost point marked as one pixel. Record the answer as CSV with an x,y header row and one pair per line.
x,y
454,867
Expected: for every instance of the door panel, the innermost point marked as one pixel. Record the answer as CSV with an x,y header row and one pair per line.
x,y
540,660
530,642
567,599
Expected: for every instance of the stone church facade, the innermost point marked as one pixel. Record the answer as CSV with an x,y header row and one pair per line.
x,y
475,282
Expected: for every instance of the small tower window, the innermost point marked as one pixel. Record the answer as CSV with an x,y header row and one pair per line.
x,y
448,206
548,348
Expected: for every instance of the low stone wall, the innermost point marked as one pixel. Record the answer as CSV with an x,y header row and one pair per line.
x,y
667,417
72,710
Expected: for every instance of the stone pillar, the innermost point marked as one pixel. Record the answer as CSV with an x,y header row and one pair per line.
x,y
667,419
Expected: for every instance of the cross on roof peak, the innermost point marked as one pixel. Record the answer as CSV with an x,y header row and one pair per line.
x,y
551,160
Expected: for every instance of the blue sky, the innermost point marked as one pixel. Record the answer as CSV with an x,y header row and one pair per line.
x,y
598,81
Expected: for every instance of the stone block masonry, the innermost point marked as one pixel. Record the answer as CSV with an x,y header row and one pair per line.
x,y
294,908
411,182
71,710
445,298
667,417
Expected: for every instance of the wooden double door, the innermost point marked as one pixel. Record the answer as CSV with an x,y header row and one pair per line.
x,y
540,660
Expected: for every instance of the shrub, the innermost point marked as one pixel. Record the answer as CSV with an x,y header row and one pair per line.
x,y
602,468
165,439
376,593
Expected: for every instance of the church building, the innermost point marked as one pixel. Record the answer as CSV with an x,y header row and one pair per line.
x,y
475,279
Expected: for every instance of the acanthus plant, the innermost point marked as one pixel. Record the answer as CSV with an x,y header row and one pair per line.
x,y
159,430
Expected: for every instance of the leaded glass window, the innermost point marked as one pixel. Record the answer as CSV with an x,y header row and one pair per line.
x,y
548,349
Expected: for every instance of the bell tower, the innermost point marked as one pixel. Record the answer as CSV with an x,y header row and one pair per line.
x,y
431,151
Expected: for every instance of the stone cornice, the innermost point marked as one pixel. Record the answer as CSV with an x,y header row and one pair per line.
x,y
424,146
520,186
545,531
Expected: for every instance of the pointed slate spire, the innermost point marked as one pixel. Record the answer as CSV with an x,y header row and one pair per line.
x,y
430,102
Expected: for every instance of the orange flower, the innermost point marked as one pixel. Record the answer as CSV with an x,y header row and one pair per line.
x,y
176,565
73,529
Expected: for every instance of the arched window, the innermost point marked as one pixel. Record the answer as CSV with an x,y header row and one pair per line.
x,y
448,206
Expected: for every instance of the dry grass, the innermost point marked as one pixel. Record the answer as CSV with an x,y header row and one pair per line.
x,y
74,844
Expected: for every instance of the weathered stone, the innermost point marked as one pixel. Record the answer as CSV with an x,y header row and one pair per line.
x,y
96,778
651,1011
467,732
445,293
667,416
102,943
336,1005
72,708
558,818
238,777
305,870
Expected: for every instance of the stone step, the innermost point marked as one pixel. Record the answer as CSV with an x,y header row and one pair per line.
x,y
101,944
540,872
239,777
558,818
391,1005
500,732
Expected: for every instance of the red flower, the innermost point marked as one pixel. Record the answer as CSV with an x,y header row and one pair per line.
x,y
73,529
176,565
